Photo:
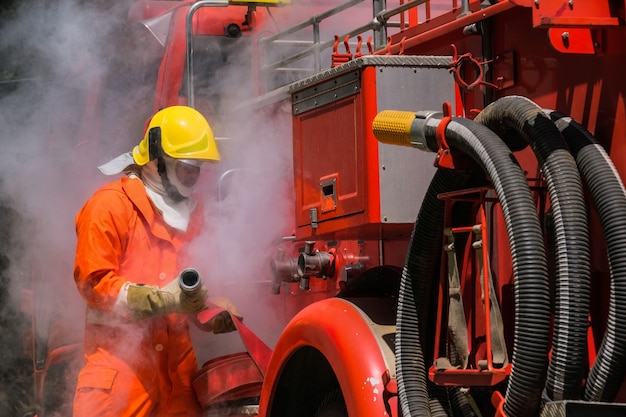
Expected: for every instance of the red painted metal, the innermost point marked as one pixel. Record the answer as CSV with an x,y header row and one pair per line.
x,y
550,13
68,356
573,40
314,132
339,58
227,378
469,377
335,327
486,284
353,161
481,370
442,30
498,402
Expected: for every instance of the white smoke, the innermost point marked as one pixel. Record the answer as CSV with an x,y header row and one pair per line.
x,y
54,55
77,106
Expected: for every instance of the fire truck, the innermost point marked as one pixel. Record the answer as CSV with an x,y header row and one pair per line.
x,y
458,214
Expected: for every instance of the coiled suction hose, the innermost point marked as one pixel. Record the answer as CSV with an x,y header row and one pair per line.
x,y
607,192
529,264
519,117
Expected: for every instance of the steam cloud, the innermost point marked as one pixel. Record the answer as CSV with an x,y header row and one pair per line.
x,y
54,133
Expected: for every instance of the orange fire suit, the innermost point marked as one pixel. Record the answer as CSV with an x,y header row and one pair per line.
x,y
132,368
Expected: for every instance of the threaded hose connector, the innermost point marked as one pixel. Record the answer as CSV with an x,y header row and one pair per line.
x,y
403,128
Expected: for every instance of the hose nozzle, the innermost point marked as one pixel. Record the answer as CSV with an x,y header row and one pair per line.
x,y
189,280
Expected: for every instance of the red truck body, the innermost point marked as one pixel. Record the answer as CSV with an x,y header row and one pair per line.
x,y
479,274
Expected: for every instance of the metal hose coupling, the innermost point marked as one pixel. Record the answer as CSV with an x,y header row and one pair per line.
x,y
405,128
284,269
189,280
313,263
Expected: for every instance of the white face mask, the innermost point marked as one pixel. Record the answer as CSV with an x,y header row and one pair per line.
x,y
175,213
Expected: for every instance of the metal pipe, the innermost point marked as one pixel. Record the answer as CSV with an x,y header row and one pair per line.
x,y
18,80
384,15
316,42
284,269
465,9
377,24
430,35
312,21
380,33
189,38
320,47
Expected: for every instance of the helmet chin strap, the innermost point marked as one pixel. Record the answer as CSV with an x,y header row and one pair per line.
x,y
170,189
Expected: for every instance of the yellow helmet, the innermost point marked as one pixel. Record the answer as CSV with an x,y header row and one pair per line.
x,y
180,132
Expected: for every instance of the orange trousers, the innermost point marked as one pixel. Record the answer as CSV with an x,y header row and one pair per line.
x,y
109,387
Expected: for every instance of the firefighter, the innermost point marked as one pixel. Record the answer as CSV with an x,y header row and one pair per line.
x,y
130,235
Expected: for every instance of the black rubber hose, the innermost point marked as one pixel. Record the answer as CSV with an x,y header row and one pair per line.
x,y
437,408
415,288
521,117
607,192
440,405
529,268
460,403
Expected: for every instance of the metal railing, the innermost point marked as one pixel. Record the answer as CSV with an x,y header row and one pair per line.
x,y
313,49
189,42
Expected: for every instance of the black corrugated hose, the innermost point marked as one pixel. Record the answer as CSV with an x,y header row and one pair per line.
x,y
529,268
519,117
607,192
415,288
440,405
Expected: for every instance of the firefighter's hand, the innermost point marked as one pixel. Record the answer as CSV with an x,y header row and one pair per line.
x,y
189,302
223,322
146,301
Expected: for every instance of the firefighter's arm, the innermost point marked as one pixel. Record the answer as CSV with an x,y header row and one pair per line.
x,y
145,301
102,230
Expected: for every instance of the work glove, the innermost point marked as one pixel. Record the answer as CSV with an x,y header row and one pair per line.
x,y
145,301
223,322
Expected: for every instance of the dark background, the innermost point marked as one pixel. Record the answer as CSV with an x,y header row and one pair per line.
x,y
17,69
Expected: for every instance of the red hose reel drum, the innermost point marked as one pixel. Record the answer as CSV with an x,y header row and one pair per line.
x,y
227,378
238,376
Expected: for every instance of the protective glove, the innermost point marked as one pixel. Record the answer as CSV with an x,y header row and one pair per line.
x,y
146,301
223,322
